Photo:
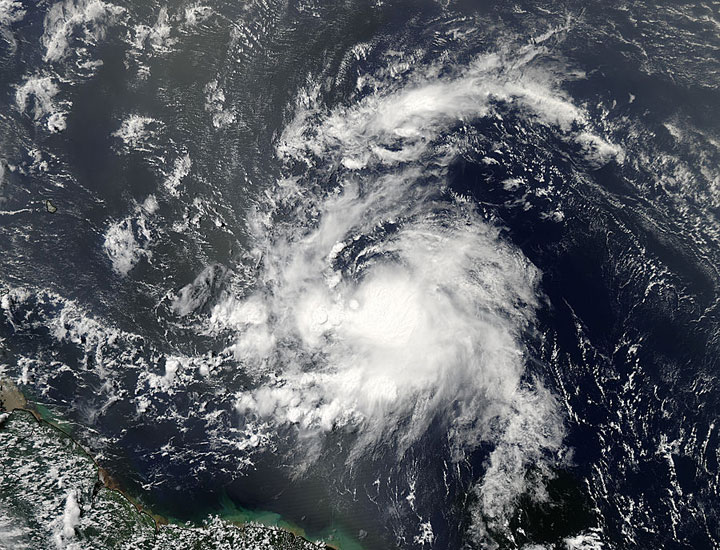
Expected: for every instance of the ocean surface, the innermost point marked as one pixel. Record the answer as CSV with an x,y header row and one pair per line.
x,y
395,274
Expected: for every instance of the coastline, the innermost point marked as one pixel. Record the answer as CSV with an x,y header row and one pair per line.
x,y
233,524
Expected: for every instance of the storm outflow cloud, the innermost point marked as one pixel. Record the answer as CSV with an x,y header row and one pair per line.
x,y
386,303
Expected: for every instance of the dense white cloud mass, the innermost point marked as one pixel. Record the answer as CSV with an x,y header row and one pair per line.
x,y
381,305
385,303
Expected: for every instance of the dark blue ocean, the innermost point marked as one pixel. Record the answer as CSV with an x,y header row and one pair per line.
x,y
419,274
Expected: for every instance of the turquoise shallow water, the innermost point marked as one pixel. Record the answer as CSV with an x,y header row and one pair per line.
x,y
154,130
335,536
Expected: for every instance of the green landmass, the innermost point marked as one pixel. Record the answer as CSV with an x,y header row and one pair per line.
x,y
54,496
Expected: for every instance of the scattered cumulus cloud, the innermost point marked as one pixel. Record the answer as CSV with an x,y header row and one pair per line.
x,y
63,18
